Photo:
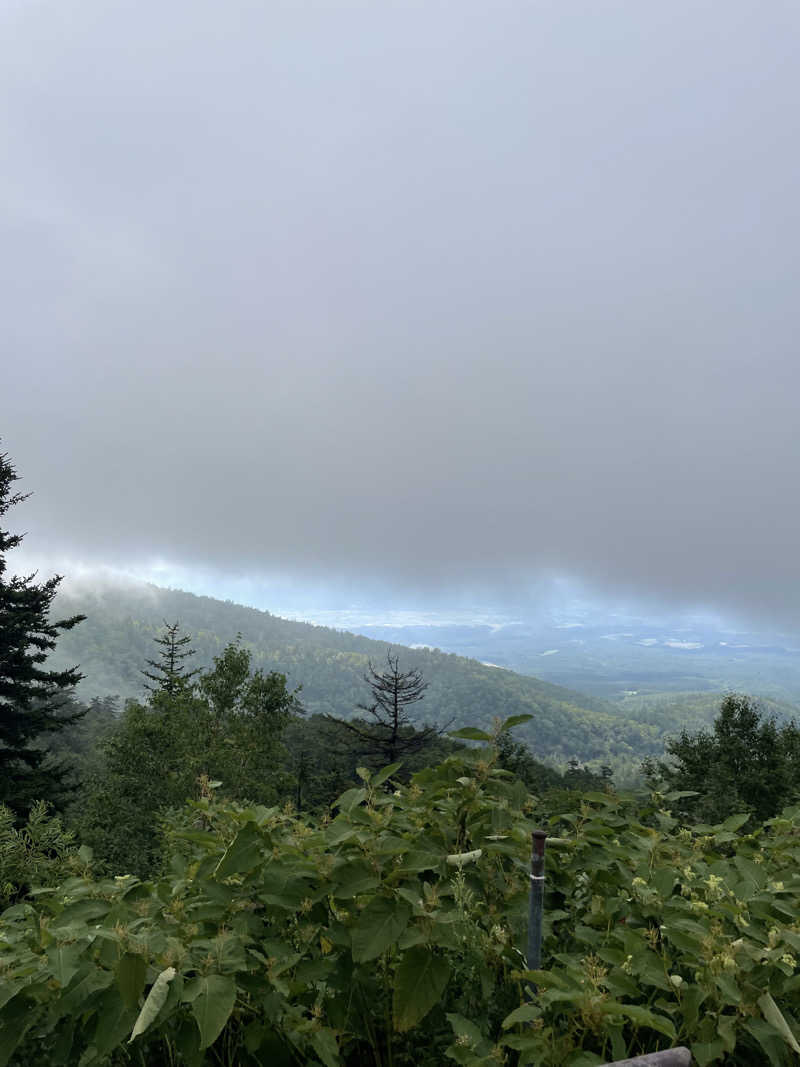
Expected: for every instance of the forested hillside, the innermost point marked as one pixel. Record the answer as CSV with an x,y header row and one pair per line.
x,y
116,639
671,712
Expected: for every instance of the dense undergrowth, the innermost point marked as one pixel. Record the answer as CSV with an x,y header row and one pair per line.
x,y
391,932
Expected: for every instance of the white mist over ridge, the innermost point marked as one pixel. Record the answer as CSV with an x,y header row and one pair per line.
x,y
560,631
561,603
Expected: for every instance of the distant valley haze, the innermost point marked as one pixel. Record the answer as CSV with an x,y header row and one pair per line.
x,y
562,632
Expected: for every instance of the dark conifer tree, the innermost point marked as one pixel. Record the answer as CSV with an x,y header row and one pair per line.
x,y
386,732
33,700
169,673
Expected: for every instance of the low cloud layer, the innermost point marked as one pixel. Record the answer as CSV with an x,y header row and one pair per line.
x,y
437,295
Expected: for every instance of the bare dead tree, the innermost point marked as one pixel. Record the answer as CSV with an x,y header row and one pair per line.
x,y
386,731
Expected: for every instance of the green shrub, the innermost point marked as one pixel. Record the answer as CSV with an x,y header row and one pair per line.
x,y
40,852
393,932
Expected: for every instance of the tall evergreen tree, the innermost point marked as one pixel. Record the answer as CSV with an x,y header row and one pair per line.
x,y
33,700
168,672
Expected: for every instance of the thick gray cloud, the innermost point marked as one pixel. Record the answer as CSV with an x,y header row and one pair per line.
x,y
434,292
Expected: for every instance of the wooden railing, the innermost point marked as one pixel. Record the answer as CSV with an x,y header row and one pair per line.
x,y
670,1057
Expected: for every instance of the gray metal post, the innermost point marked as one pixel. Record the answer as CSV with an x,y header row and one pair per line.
x,y
538,838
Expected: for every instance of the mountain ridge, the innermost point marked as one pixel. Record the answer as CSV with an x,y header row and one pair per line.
x,y
114,642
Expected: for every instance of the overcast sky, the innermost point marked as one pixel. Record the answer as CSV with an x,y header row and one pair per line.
x,y
440,294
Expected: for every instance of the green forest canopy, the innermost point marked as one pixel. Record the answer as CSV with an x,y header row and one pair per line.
x,y
117,639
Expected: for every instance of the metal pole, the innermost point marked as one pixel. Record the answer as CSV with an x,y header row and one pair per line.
x,y
670,1057
538,838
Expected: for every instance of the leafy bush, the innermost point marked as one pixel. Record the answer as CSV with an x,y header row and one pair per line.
x,y
748,762
392,934
41,852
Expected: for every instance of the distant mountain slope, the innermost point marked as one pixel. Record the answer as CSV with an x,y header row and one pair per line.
x,y
616,656
672,712
117,637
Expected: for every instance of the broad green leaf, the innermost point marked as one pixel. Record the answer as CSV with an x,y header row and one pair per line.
x,y
735,822
524,1043
64,961
212,1006
10,989
326,1047
63,1046
254,1035
470,1046
242,854
420,981
709,1052
378,926
470,733
187,1042
386,772
545,979
663,880
390,845
767,1037
282,889
639,1016
131,974
15,1020
285,965
350,799
525,1013
193,987
353,878
199,837
339,831
651,971
114,1020
514,720
726,1028
691,1000
464,1027
80,911
751,871
154,1002
417,860
73,1000
772,1013
619,1048
413,935
731,993
314,970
